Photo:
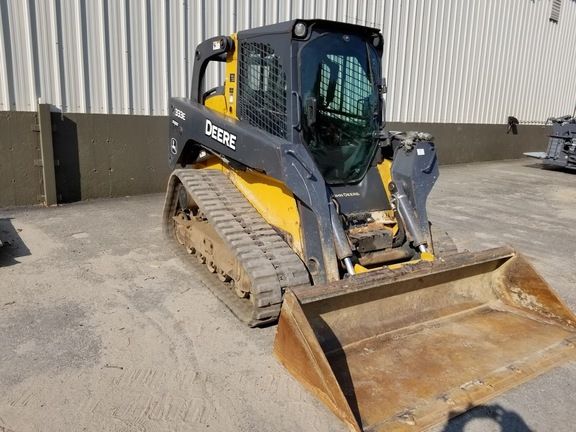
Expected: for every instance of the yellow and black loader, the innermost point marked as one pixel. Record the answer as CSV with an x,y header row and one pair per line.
x,y
288,187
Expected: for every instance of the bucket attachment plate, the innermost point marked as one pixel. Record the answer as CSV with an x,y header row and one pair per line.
x,y
408,349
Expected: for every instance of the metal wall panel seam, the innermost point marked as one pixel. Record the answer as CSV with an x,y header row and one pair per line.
x,y
458,62
106,97
97,61
373,15
433,63
564,62
84,83
543,56
491,58
125,67
399,59
542,64
33,53
74,57
482,47
411,62
415,55
439,83
364,10
468,58
527,100
520,65
535,48
449,71
418,110
512,105
386,19
568,87
5,76
20,51
547,71
165,68
569,61
344,11
393,64
14,40
506,66
496,49
45,51
160,75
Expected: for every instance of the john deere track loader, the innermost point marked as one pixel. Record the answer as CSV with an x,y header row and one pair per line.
x,y
289,189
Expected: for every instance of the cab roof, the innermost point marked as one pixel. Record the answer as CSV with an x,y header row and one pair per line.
x,y
287,26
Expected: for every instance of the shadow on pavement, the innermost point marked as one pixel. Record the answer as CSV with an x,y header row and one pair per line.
x,y
12,245
508,421
547,167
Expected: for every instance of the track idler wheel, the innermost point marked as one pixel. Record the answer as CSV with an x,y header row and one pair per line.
x,y
222,276
211,266
239,292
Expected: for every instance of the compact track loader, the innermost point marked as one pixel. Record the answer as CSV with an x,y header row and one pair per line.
x,y
288,188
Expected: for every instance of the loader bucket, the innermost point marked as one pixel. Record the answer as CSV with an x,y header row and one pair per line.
x,y
407,349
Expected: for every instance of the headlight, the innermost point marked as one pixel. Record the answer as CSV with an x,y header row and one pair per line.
x,y
300,30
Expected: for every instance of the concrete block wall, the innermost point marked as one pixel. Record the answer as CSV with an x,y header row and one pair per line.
x,y
111,155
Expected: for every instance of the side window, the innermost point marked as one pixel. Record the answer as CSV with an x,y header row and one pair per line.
x,y
262,88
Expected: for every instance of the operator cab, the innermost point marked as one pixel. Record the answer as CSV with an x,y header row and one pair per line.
x,y
341,98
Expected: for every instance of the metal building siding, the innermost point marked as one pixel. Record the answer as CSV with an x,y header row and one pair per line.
x,y
459,61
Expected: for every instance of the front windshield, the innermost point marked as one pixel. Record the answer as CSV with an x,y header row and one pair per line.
x,y
340,105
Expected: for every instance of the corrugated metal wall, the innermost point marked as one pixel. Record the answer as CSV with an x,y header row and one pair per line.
x,y
459,61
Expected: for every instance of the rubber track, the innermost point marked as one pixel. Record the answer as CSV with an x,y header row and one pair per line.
x,y
262,255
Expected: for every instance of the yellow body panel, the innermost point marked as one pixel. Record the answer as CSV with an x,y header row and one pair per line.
x,y
216,103
270,198
427,256
385,171
360,268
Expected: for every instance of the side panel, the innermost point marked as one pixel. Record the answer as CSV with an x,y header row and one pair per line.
x,y
270,198
241,144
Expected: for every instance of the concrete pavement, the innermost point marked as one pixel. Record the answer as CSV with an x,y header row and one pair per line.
x,y
102,329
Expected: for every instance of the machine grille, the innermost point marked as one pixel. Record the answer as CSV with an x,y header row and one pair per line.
x,y
262,88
